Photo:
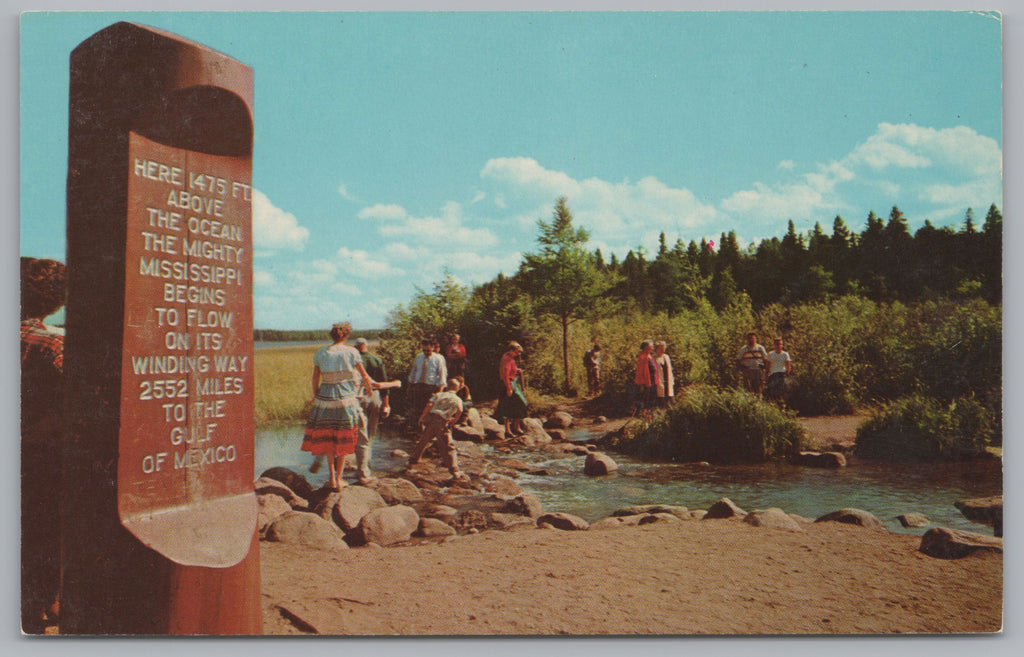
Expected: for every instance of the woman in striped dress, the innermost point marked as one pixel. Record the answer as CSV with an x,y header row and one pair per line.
x,y
336,420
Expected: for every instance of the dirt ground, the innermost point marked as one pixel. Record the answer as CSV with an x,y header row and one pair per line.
x,y
690,577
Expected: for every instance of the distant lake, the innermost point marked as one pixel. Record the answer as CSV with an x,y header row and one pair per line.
x,y
268,344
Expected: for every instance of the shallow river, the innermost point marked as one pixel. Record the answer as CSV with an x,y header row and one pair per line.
x,y
886,490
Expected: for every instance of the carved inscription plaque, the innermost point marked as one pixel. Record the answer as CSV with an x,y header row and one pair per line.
x,y
186,449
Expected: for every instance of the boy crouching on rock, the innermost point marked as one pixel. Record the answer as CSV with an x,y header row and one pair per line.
x,y
440,413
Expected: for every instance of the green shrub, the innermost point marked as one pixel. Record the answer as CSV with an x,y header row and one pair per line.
x,y
715,425
922,428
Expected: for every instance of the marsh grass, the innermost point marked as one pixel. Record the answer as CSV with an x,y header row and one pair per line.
x,y
718,425
283,383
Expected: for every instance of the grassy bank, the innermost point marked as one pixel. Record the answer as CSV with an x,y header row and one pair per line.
x,y
283,382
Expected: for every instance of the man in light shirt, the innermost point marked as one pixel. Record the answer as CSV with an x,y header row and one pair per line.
x,y
750,362
780,365
437,418
428,376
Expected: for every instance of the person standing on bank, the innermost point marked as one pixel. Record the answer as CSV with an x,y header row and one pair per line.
x,y
42,429
455,357
337,422
780,366
375,407
592,364
646,377
512,406
666,381
750,362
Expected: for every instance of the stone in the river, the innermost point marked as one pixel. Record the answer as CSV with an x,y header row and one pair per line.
x,y
535,433
291,479
913,520
984,510
946,543
564,521
270,486
396,491
853,517
598,464
724,508
821,460
678,511
474,419
302,528
615,522
649,518
558,420
502,486
468,433
525,504
347,506
557,435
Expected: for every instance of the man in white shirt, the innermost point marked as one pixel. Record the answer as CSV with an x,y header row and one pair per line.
x,y
428,376
779,367
437,418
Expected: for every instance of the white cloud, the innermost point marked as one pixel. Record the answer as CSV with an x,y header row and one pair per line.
x,y
446,230
359,263
478,197
273,228
526,172
383,212
345,194
788,165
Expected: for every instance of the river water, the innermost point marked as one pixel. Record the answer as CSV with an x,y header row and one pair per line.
x,y
884,489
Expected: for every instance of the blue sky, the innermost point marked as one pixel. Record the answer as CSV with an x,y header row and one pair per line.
x,y
393,147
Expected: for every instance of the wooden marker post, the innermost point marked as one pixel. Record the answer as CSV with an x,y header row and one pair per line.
x,y
158,509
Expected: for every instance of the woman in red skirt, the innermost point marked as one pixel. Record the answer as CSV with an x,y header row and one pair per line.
x,y
336,420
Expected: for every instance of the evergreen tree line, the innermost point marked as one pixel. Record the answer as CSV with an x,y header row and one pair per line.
x,y
869,317
884,262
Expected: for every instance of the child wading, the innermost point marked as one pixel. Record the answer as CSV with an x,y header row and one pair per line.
x,y
440,413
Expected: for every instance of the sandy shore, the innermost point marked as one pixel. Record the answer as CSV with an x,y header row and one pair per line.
x,y
689,577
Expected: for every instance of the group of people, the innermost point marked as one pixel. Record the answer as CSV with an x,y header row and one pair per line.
x,y
351,397
653,380
764,372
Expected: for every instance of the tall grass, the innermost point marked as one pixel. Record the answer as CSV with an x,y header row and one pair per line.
x,y
283,376
921,428
716,425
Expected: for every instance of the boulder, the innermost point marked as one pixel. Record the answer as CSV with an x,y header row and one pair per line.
x,y
524,505
984,510
291,479
493,430
347,506
852,517
773,518
396,491
569,448
301,528
508,521
650,518
502,486
564,521
724,508
679,511
558,435
438,511
534,432
434,528
473,419
268,486
698,514
468,433
821,460
269,508
387,526
558,420
598,464
946,543
913,520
